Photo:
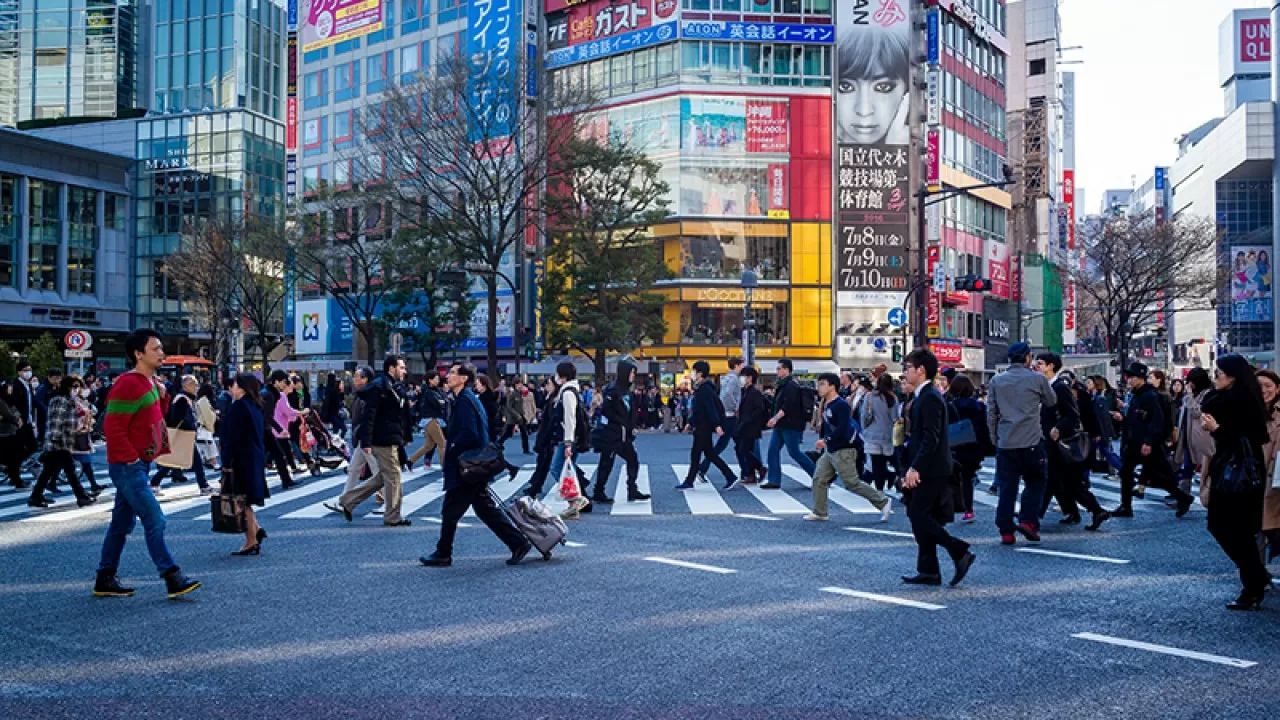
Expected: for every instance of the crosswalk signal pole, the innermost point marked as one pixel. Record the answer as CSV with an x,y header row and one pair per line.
x,y
749,283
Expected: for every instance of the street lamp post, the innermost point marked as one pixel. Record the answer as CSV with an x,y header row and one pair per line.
x,y
227,321
749,283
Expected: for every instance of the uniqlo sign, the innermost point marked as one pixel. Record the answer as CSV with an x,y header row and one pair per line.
x,y
1255,40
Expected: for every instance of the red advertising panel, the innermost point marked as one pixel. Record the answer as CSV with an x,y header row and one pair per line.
x,y
778,191
933,306
768,126
1255,40
998,268
934,175
948,353
600,19
291,125
1069,314
1069,199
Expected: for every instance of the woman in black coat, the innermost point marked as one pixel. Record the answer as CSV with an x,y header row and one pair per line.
x,y
245,457
492,413
969,457
1236,417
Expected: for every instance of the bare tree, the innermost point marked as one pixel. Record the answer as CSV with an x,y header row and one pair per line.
x,y
462,154
348,263
428,303
200,269
1136,269
602,262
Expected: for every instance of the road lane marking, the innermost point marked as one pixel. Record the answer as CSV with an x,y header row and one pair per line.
x,y
749,516
572,544
1075,556
627,507
704,498
889,599
874,531
692,566
1166,650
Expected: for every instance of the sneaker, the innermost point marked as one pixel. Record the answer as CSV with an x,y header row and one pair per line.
x,y
107,585
178,584
206,490
685,486
378,497
733,483
815,518
1031,534
966,518
1007,539
886,511
748,480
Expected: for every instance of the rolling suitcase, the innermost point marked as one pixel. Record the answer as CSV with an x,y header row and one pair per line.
x,y
541,527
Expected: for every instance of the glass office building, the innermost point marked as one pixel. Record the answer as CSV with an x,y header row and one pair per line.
x,y
69,59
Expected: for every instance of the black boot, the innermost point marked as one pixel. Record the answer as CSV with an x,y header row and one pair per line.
x,y
108,586
177,583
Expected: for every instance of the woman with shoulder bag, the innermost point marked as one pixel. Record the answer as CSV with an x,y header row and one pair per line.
x,y
182,416
82,450
1194,442
1270,383
244,457
207,419
969,457
1236,417
879,414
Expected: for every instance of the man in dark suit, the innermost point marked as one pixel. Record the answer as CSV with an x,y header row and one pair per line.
x,y
929,475
25,406
1068,481
468,429
708,422
753,413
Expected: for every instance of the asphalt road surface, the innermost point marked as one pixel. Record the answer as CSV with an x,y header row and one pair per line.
x,y
709,604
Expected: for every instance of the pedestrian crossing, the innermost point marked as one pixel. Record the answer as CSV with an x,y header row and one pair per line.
x,y
423,493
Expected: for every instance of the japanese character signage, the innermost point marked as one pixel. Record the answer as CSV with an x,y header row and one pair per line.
x,y
596,49
757,31
778,191
872,156
768,126
1069,205
493,36
332,21
947,352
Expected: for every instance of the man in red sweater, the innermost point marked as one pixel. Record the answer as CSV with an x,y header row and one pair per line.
x,y
136,435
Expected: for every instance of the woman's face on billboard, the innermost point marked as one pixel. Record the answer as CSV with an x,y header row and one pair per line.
x,y
867,108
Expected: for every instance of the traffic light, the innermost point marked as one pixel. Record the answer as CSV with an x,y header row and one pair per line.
x,y
972,283
897,352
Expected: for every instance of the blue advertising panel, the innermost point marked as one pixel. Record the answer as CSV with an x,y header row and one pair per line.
x,y
634,40
493,35
293,15
1159,178
531,71
763,31
321,328
933,36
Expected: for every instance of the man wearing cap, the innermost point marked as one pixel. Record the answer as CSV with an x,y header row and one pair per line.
x,y
1142,443
1014,401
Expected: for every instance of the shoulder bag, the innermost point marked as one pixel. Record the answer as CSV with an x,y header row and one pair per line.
x,y
1074,447
962,432
479,466
226,509
1241,474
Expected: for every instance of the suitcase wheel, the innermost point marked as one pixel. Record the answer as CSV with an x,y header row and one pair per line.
x,y
546,557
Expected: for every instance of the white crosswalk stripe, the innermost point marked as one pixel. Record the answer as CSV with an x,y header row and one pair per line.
x,y
704,498
621,505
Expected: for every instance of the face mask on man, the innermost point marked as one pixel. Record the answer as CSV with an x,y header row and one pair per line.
x,y
25,375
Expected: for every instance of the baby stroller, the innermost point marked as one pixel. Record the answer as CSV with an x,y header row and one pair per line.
x,y
322,448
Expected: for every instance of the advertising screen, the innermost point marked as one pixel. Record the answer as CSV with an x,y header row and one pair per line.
x,y
872,166
333,21
1251,283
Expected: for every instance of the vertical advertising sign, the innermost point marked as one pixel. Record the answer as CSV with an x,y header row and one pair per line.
x,y
1069,205
291,124
492,39
779,196
933,313
291,111
872,153
1069,314
933,174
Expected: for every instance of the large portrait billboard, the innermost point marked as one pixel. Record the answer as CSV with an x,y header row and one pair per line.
x,y
1251,283
872,166
333,21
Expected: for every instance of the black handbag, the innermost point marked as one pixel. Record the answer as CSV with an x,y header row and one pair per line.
x,y
81,444
1074,448
479,466
227,510
1241,474
961,432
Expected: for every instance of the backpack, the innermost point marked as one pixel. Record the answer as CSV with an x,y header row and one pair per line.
x,y
808,401
581,426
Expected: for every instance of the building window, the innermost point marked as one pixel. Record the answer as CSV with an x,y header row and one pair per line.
x,y
379,67
45,235
82,239
314,179
9,228
409,63
1036,67
720,323
726,256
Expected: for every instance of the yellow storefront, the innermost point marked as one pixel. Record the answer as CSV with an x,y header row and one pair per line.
x,y
704,311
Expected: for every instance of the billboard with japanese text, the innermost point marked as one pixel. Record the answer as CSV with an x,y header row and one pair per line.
x,y
1251,278
329,22
872,152
492,51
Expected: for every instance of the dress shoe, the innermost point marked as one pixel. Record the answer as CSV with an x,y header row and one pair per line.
x,y
602,499
253,549
518,554
54,490
1184,506
685,486
770,486
1248,600
86,500
637,497
922,579
262,535
1098,518
40,502
962,567
1123,512
434,560
291,484
1069,520
401,523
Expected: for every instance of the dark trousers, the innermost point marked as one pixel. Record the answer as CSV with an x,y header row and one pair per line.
x,y
704,447
456,503
748,452
58,461
1069,483
524,435
880,473
1025,465
627,452
1234,521
722,443
1156,472
276,455
11,457
968,476
929,533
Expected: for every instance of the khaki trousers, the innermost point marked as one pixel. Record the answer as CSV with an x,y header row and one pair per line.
x,y
845,464
435,439
386,479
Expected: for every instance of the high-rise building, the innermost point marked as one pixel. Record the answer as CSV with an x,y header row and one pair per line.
x,y
71,59
212,145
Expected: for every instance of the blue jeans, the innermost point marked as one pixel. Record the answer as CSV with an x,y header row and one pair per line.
x,y
1012,465
134,499
1112,457
790,438
557,464
722,443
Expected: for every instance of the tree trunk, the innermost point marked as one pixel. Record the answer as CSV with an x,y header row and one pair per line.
x,y
601,366
491,324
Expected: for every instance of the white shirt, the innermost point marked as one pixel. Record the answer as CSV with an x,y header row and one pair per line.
x,y
923,385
